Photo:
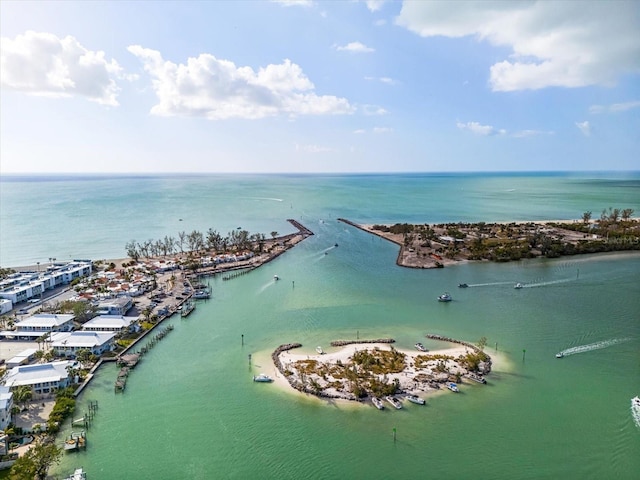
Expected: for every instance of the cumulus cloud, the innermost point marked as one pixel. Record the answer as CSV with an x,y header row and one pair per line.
x,y
614,108
374,5
564,44
371,110
479,129
530,133
584,127
218,89
354,47
42,64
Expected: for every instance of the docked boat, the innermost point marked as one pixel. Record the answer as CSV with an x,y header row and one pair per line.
x,y
377,403
78,474
463,285
518,286
202,293
263,378
188,307
559,355
420,347
415,399
319,350
476,378
453,387
393,401
76,441
445,297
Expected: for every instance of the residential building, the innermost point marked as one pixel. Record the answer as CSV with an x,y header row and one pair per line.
x,y
115,306
68,343
111,323
43,378
6,402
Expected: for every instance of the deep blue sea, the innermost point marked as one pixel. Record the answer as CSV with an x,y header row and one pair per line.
x,y
191,410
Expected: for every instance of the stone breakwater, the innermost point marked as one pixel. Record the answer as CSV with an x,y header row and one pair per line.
x,y
342,343
485,366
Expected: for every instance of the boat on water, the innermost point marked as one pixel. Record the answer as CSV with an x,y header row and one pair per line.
x,y
453,387
76,441
518,286
476,378
393,401
635,410
188,307
377,403
78,474
559,355
415,399
202,293
420,347
463,285
336,245
276,277
263,378
319,350
445,297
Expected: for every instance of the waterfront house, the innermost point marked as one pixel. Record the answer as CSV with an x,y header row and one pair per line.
x,y
43,378
37,325
6,402
115,306
5,306
68,343
111,323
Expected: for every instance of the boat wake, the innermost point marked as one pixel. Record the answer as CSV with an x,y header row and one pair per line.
x,y
489,284
267,198
635,410
551,282
593,346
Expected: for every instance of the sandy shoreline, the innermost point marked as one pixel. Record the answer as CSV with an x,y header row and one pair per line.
x,y
263,363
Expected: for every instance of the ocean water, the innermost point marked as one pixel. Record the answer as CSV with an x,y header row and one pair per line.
x,y
191,410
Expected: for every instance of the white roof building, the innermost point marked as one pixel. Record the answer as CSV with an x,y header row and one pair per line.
x,y
115,306
6,402
5,306
43,378
109,323
68,343
23,357
42,323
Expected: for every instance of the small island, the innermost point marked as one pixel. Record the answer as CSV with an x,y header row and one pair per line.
x,y
439,245
370,369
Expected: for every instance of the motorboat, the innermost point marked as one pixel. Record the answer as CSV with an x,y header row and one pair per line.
x,y
453,387
463,285
336,245
393,401
276,277
635,410
78,474
319,350
476,378
420,347
263,377
518,286
559,355
445,297
415,399
377,403
202,293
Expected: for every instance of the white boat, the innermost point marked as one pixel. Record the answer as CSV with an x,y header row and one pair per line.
x,y
319,350
445,297
420,347
202,293
276,277
78,474
393,401
415,399
263,377
559,355
377,403
453,387
476,378
518,286
635,410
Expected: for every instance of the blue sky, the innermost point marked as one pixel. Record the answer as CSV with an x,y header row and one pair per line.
x,y
314,86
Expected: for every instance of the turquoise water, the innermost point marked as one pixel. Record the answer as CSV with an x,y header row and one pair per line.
x,y
191,410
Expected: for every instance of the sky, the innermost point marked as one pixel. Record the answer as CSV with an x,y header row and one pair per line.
x,y
319,86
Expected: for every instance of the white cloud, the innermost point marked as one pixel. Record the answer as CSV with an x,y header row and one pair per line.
x,y
374,5
371,110
530,133
360,131
614,108
387,80
312,148
43,64
584,127
217,89
294,3
565,44
479,129
354,47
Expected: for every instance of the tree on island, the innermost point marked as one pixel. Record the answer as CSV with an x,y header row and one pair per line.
x,y
35,463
